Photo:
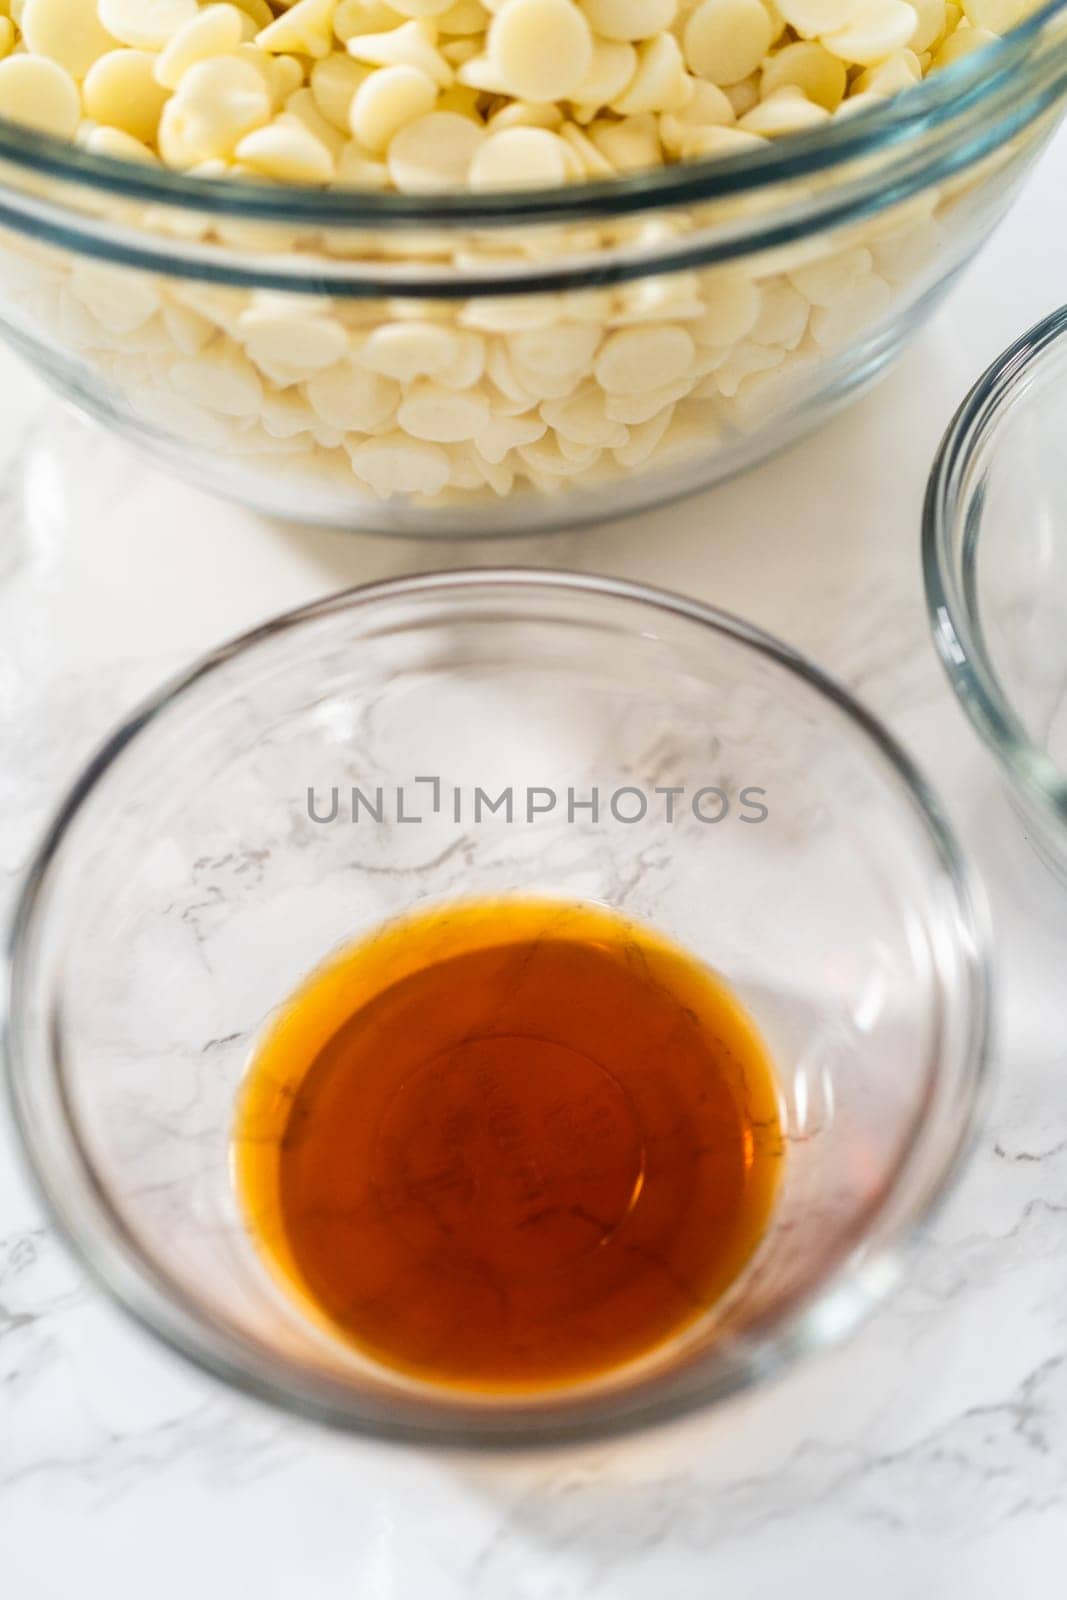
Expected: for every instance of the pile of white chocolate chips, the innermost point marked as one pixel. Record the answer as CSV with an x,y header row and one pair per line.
x,y
430,398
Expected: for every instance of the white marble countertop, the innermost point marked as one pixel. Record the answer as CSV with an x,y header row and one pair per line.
x,y
926,1458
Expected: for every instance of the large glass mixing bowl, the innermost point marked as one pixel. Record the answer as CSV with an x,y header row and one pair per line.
x,y
495,363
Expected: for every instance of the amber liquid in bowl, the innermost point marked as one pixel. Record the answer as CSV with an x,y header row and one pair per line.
x,y
508,1145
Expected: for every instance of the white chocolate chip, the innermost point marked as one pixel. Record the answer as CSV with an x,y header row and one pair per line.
x,y
784,111
333,82
120,301
611,67
346,396
855,312
463,17
903,255
118,145
708,107
173,415
881,27
409,350
218,102
638,408
433,154
419,8
541,49
121,91
743,360
305,28
959,44
441,415
395,464
930,26
519,158
631,146
898,71
411,45
810,67
725,40
145,24
630,19
189,331
223,381
826,280
502,434
812,18
589,158
556,351
660,82
783,316
636,359
68,32
583,419
288,151
355,169
997,16
285,415
525,114
40,94
732,305
744,95
289,340
388,99
211,32
643,437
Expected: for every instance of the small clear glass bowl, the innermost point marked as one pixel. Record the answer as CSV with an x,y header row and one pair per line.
x,y
198,871
995,561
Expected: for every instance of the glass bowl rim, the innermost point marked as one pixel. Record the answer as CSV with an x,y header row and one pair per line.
x,y
128,1277
949,562
965,86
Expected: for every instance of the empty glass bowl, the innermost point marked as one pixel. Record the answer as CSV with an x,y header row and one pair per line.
x,y
995,557
216,849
